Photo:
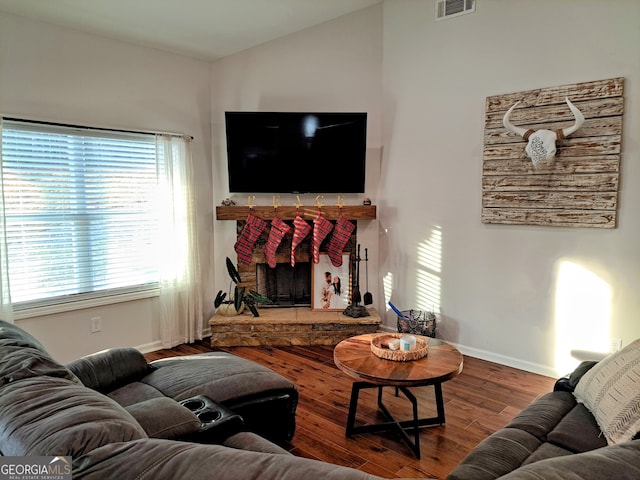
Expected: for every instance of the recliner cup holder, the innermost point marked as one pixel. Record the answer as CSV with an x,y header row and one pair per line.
x,y
215,419
209,416
193,404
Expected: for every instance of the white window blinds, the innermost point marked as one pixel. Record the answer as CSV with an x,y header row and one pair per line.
x,y
80,212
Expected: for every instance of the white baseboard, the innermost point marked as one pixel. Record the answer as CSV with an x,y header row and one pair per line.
x,y
149,347
157,345
508,361
497,358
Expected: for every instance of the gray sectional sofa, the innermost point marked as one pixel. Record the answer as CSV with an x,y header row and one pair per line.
x,y
48,410
557,437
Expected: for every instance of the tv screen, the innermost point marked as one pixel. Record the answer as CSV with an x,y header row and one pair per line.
x,y
296,152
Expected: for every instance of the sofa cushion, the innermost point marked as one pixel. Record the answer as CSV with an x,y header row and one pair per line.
x,y
577,431
164,418
619,462
25,362
543,414
546,450
24,357
54,416
134,392
610,391
500,453
14,335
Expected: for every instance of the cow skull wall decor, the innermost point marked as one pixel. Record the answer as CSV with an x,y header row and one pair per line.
x,y
541,145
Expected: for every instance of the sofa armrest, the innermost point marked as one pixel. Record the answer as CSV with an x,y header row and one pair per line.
x,y
107,370
568,384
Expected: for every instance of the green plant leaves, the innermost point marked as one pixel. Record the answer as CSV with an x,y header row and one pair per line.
x,y
233,272
240,295
219,299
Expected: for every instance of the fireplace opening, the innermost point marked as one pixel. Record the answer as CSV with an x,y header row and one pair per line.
x,y
286,286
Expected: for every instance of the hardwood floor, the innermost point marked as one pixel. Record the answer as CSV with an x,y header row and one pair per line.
x,y
482,399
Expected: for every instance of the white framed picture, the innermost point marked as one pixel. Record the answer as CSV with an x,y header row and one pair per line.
x,y
330,285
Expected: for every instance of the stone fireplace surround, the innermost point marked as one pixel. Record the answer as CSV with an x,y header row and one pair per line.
x,y
299,325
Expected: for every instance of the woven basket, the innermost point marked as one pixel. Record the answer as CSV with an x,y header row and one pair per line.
x,y
379,347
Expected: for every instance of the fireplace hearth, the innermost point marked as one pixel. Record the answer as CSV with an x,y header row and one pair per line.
x,y
289,326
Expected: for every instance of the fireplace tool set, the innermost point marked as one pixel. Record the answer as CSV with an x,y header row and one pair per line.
x,y
355,310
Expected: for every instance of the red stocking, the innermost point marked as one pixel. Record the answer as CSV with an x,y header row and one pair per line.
x,y
248,238
278,231
300,231
321,228
340,237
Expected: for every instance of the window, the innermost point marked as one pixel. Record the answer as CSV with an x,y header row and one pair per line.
x,y
80,213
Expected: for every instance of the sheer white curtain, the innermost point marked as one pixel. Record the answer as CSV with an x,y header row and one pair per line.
x,y
180,295
6,310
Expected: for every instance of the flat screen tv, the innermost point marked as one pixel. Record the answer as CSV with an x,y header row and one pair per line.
x,y
296,152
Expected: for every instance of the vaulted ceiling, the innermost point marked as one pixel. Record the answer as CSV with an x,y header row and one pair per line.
x,y
204,29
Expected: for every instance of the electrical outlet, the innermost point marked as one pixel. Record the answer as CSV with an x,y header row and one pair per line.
x,y
96,324
616,344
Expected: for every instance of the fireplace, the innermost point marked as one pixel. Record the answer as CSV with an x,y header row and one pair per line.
x,y
283,285
289,286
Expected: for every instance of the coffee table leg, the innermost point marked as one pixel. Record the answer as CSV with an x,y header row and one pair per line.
x,y
402,427
439,402
353,406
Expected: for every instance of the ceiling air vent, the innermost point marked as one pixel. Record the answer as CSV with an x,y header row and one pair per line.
x,y
454,8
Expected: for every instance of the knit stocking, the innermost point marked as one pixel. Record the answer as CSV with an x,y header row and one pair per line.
x,y
248,238
278,231
340,237
300,231
321,228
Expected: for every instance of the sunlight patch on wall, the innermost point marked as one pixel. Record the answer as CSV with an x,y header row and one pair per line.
x,y
582,313
428,282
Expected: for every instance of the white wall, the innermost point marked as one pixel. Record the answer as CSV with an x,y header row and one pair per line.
x,y
502,291
61,75
332,67
506,293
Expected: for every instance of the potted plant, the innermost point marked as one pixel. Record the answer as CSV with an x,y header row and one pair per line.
x,y
240,299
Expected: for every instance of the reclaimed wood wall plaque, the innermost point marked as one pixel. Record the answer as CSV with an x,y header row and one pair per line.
x,y
579,187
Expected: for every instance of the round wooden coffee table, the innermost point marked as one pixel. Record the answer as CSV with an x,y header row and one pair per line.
x,y
354,357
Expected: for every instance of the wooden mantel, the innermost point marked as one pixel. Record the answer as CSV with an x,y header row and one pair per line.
x,y
267,212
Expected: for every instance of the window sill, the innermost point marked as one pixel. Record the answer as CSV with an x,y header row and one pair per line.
x,y
83,304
